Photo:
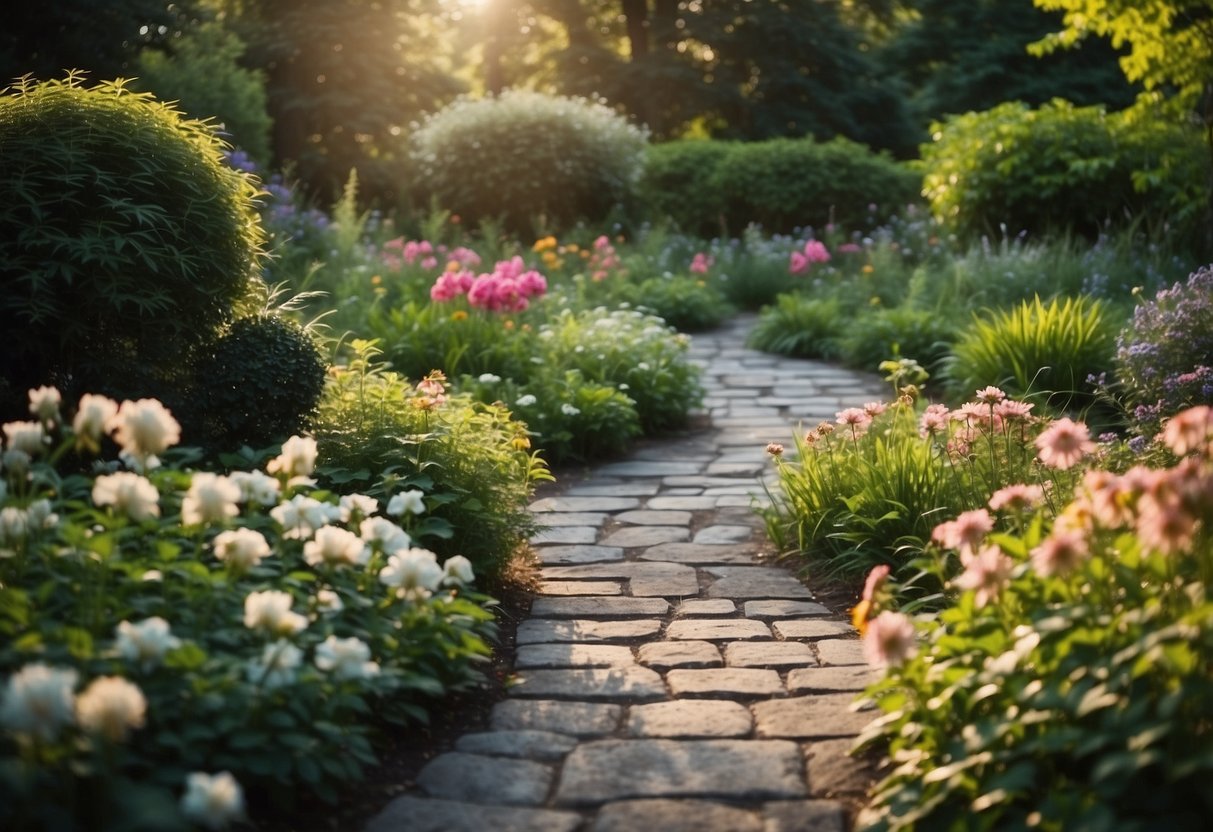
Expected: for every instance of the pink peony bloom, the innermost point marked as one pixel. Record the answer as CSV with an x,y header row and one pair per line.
x,y
701,263
816,252
889,640
1064,443
798,263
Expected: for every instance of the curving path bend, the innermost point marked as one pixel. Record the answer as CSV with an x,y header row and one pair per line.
x,y
668,678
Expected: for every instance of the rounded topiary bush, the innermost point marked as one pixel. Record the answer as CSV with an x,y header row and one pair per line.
x,y
524,155
1164,357
259,383
125,240
1013,169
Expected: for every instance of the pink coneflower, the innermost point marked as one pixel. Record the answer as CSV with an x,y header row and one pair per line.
x,y
990,395
1012,410
1016,498
1163,522
1060,552
972,413
874,409
1189,431
966,532
1064,443
889,640
856,419
1110,497
986,573
934,420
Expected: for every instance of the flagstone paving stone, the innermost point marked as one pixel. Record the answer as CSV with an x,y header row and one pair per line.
x,y
671,676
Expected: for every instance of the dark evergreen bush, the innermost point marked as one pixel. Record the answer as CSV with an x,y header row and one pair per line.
x,y
676,184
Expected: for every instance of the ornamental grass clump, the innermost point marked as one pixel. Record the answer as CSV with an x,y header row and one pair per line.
x,y
174,640
1070,684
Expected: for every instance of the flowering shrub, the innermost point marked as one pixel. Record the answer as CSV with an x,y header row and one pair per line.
x,y
1071,684
172,639
1164,356
686,303
814,252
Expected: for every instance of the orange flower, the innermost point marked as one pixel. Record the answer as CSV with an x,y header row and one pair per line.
x,y
459,315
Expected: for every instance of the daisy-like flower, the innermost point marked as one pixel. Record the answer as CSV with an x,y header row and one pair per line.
x,y
277,666
38,701
271,611
1164,523
387,535
972,413
1011,410
256,487
241,549
854,419
774,449
414,574
410,502
346,658
1016,498
966,532
92,415
144,429
1110,497
129,494
335,546
297,461
44,404
212,800
874,409
934,420
145,642
210,499
889,640
1061,552
457,571
990,395
1189,431
986,573
111,706
1064,443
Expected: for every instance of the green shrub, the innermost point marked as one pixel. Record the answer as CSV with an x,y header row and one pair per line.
x,y
687,303
1070,685
783,184
203,76
913,333
1048,352
125,241
1065,167
526,155
259,383
677,184
800,326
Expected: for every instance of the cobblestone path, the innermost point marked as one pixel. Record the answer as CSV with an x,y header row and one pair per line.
x,y
668,678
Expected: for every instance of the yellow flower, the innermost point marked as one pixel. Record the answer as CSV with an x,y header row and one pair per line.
x,y
874,300
868,268
508,324
859,616
544,244
459,315
520,443
376,280
571,248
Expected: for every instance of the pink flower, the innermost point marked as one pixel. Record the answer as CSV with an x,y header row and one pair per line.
x,y
1064,443
966,532
849,248
1189,431
602,242
1060,552
1164,523
532,284
465,256
1012,410
798,263
934,420
701,263
876,579
874,409
1016,498
774,449
990,395
815,252
1110,497
856,419
429,263
889,640
986,573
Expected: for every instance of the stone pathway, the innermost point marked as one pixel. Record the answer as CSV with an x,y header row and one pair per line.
x,y
667,678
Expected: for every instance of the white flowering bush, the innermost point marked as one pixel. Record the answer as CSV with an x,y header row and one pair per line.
x,y
1070,685
173,640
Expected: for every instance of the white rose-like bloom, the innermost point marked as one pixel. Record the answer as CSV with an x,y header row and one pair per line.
x,y
14,526
38,701
390,537
241,549
336,546
211,499
144,428
92,415
26,437
111,706
40,514
271,611
357,504
129,494
277,665
414,573
328,601
408,501
346,658
213,801
256,487
302,515
298,458
526,401
457,570
44,403
145,642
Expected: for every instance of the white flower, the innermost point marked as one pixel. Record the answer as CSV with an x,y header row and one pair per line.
x,y
111,706
410,501
92,415
302,515
298,458
17,462
26,437
213,801
569,410
336,546
526,401
44,403
129,494
38,701
145,642
152,575
40,515
277,665
328,600
346,658
144,429
271,611
211,499
390,537
241,549
256,487
489,378
14,526
457,570
357,504
415,573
